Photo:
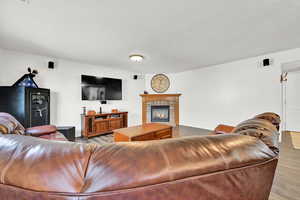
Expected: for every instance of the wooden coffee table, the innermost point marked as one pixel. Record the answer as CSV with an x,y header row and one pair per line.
x,y
151,131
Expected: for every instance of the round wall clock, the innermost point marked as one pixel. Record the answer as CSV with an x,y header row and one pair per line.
x,y
160,83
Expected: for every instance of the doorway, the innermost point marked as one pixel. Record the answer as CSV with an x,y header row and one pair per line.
x,y
291,96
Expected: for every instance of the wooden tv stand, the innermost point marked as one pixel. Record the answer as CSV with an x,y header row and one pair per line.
x,y
98,124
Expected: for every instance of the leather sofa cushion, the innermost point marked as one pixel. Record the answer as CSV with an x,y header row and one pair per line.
x,y
6,126
261,129
9,125
41,130
43,165
266,136
223,129
129,165
54,136
256,124
271,117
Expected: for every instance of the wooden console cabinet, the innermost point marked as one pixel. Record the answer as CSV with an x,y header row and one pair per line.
x,y
98,124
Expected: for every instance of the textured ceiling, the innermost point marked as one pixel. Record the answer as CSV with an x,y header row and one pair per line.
x,y
173,35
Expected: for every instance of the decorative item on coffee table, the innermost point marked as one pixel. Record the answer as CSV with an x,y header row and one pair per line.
x,y
91,112
114,110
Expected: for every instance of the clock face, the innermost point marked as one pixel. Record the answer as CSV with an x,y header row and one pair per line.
x,y
160,83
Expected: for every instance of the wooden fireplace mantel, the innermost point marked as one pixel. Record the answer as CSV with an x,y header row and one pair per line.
x,y
174,98
160,95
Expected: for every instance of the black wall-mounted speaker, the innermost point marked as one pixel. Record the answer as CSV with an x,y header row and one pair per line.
x,y
51,65
266,62
135,77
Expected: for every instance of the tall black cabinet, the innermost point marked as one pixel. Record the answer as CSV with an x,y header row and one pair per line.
x,y
30,106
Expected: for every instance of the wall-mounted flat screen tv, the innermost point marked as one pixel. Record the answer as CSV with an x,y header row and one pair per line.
x,y
100,88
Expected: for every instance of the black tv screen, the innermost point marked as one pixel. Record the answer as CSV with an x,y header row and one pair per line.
x,y
100,88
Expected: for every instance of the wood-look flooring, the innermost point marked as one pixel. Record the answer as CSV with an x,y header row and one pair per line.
x,y
287,179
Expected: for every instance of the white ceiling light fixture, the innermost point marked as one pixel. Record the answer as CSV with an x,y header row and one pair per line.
x,y
136,58
25,1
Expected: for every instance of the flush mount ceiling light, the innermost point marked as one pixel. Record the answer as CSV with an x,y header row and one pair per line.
x,y
25,1
136,58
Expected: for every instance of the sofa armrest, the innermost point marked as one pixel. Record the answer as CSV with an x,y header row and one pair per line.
x,y
41,130
221,129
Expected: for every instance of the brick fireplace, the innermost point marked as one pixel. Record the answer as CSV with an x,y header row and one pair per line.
x,y
162,108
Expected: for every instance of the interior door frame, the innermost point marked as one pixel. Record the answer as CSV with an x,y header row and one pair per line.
x,y
289,67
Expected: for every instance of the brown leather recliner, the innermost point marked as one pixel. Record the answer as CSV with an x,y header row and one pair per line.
x,y
214,167
9,125
47,132
273,118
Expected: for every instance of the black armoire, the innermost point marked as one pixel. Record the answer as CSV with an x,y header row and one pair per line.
x,y
30,106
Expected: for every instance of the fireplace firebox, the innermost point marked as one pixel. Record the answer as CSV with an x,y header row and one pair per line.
x,y
160,113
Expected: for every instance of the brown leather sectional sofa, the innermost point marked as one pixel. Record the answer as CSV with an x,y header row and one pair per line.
x,y
236,166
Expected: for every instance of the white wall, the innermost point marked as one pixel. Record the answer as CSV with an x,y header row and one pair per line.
x,y
229,93
64,82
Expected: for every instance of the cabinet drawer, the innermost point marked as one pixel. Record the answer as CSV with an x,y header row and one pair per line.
x,y
163,134
149,136
115,124
101,126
